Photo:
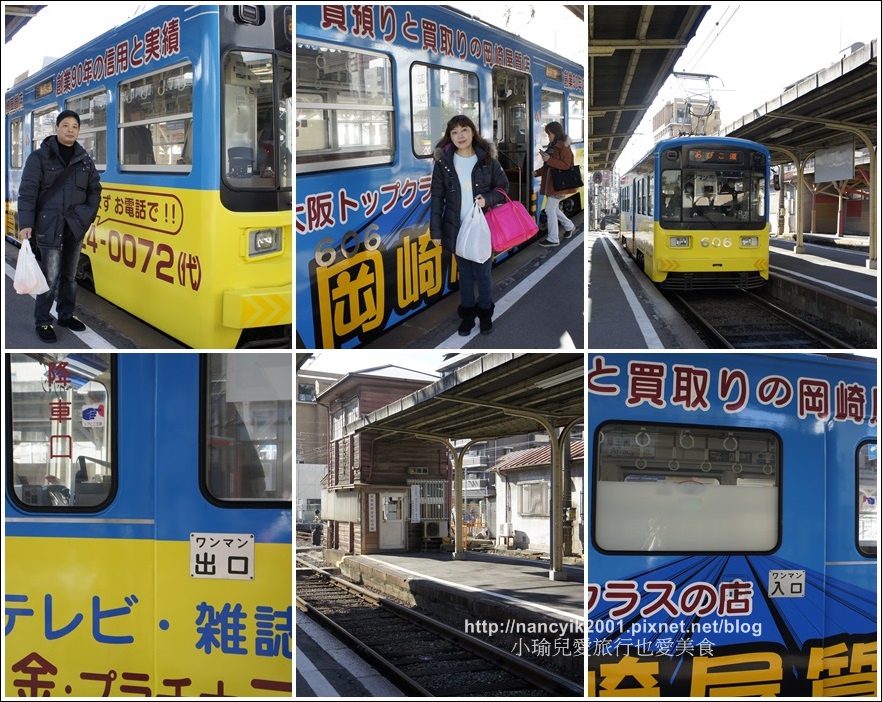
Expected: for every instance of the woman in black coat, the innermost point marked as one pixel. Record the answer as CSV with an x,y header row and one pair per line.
x,y
466,172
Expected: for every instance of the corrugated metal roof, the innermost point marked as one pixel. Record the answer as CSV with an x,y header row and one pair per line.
x,y
536,457
632,50
499,394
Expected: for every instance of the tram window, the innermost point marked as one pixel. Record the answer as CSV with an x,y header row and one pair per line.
x,y
757,211
551,110
868,499
44,125
344,108
61,413
155,113
437,94
672,196
16,159
730,195
686,489
575,126
248,422
92,109
285,136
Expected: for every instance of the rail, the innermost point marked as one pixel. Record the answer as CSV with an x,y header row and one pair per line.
x,y
514,675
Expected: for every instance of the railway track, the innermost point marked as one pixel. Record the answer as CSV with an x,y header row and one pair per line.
x,y
739,319
421,656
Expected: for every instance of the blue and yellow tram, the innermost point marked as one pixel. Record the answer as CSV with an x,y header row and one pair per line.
x,y
186,112
694,213
147,525
733,525
376,85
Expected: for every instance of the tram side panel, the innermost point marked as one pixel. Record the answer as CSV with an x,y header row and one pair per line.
x,y
732,505
376,87
135,582
193,233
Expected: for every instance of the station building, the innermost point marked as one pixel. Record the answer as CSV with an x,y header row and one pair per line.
x,y
380,496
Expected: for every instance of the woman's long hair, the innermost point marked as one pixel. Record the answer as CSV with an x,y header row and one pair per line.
x,y
477,139
557,131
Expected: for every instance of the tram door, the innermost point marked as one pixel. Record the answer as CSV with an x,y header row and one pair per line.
x,y
392,527
511,131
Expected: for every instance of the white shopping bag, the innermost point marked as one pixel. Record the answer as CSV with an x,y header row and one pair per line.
x,y
29,279
473,241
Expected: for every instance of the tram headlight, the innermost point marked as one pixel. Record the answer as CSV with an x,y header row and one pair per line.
x,y
679,242
264,241
748,241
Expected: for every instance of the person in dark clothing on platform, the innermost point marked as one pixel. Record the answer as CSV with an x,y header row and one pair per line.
x,y
465,172
57,202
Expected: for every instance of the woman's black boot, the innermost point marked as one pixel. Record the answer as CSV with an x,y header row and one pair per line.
x,y
486,317
467,315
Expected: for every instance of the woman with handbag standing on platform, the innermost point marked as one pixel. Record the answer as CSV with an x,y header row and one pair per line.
x,y
558,156
466,172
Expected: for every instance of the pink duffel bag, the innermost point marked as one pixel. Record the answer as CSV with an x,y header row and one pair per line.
x,y
510,224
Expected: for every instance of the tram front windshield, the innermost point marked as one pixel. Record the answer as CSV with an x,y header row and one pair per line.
x,y
714,189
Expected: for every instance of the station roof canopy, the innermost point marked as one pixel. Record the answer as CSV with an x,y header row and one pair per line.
x,y
17,16
499,394
820,111
632,49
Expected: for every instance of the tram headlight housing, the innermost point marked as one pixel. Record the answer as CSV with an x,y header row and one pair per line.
x,y
679,242
264,241
749,241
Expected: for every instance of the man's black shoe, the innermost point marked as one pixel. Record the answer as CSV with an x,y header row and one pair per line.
x,y
73,324
46,333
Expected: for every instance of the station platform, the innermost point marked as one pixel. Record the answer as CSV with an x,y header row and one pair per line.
x,y
107,326
326,667
505,601
623,309
484,584
830,280
537,294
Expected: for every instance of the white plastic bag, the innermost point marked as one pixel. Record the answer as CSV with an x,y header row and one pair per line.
x,y
29,279
473,241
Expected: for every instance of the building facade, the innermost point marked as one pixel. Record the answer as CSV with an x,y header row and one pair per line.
x,y
380,495
311,446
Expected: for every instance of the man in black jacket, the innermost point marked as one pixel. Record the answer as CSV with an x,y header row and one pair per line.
x,y
57,203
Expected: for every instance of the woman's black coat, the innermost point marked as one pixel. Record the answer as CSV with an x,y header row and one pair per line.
x,y
487,175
